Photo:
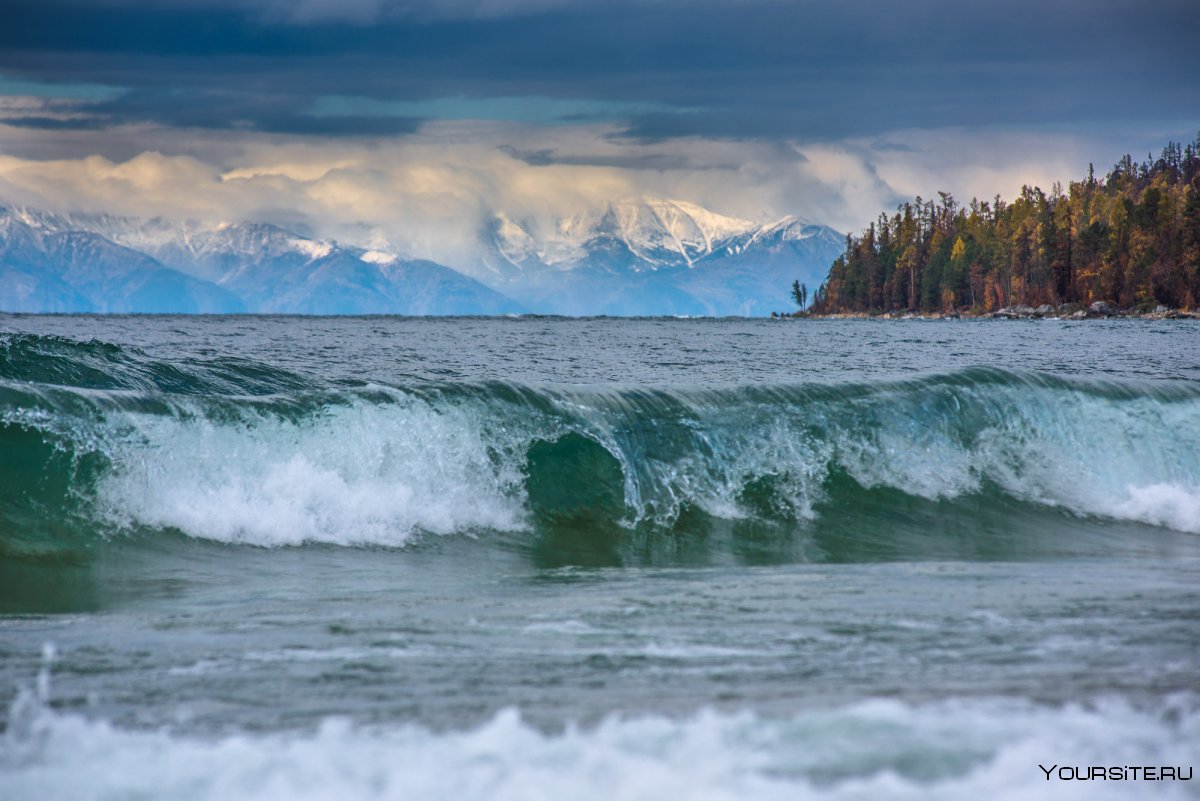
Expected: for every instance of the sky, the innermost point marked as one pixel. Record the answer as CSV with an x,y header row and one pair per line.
x,y
404,123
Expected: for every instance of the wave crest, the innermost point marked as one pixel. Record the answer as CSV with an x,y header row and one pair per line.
x,y
370,464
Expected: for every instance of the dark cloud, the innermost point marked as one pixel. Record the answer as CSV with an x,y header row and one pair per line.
x,y
759,69
214,109
245,110
46,123
353,12
546,157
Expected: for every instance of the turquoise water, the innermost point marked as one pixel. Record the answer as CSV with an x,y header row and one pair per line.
x,y
525,558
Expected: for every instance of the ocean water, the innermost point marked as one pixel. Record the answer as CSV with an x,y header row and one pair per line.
x,y
285,558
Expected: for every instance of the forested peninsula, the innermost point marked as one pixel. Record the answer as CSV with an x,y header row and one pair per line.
x,y
1129,241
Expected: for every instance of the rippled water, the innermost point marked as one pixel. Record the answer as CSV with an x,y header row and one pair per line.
x,y
326,558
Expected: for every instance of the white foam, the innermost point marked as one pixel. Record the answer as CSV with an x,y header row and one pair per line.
x,y
982,748
1168,505
377,473
1132,459
359,474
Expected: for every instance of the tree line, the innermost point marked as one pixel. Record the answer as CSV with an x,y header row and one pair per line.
x,y
1131,238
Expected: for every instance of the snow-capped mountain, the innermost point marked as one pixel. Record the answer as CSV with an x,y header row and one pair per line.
x,y
753,272
642,235
81,263
47,269
654,256
633,257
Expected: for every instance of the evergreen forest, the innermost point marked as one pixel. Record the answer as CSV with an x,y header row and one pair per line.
x,y
1130,238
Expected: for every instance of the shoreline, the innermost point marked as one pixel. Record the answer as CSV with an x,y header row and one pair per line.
x,y
1067,311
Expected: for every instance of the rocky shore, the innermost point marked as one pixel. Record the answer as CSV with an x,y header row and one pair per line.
x,y
1067,311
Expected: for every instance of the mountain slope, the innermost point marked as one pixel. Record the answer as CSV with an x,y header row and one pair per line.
x,y
637,236
752,274
632,257
77,271
657,257
185,267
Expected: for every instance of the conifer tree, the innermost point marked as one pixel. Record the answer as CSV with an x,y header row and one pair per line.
x,y
1129,238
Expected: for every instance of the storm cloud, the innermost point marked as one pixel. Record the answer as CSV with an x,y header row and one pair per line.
x,y
699,68
408,120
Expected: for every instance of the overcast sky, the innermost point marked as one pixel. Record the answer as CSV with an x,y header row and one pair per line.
x,y
404,121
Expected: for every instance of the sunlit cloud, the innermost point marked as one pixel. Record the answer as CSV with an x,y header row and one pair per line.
x,y
430,194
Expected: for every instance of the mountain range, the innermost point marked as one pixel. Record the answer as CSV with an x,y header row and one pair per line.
x,y
645,256
656,257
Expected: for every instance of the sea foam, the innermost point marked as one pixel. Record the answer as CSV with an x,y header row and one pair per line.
x,y
877,749
382,465
356,474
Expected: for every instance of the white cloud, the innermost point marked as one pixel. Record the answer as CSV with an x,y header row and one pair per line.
x,y
427,194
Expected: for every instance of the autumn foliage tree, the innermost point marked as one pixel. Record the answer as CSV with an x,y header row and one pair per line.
x,y
1131,238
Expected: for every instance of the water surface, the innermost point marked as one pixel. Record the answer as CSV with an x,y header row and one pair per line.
x,y
376,557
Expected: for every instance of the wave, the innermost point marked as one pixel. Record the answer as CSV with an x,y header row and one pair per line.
x,y
985,747
103,438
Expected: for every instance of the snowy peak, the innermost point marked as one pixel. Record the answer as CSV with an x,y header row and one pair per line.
x,y
510,252
257,240
81,263
47,266
35,219
514,242
791,232
654,231
787,229
379,257
644,236
654,256
632,256
712,227
313,249
199,249
652,234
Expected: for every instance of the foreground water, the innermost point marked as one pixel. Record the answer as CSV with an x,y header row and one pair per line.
x,y
529,558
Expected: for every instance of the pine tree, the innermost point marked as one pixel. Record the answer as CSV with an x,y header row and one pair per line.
x,y
1132,237
799,293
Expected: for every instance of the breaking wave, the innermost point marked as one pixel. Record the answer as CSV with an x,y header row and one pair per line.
x,y
962,748
100,438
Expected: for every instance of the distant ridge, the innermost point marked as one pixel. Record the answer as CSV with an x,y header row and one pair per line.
x,y
644,256
54,263
654,256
